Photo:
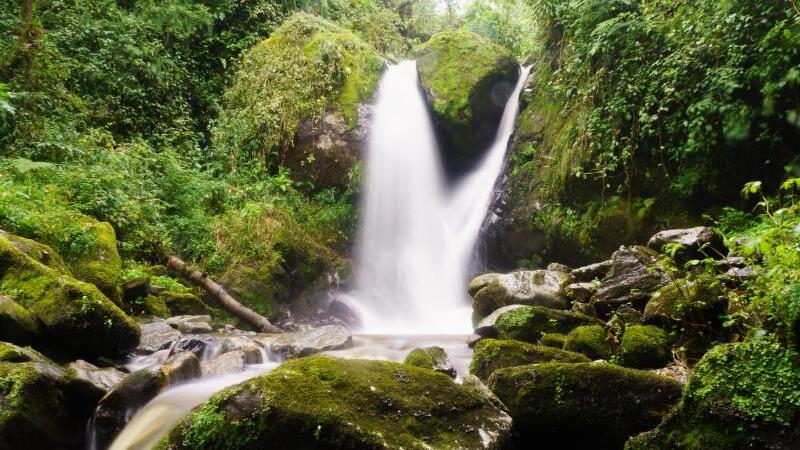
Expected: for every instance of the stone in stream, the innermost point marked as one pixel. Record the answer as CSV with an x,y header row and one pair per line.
x,y
194,327
433,358
322,402
101,378
492,291
233,361
529,323
583,405
311,340
486,328
202,345
176,321
492,354
156,336
120,404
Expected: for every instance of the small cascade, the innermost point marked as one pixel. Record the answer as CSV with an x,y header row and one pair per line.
x,y
417,235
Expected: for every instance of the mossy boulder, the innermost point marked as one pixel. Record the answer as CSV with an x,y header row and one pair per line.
x,y
154,305
41,405
75,316
16,323
433,358
492,354
493,291
331,403
742,395
181,303
100,263
467,80
583,405
644,347
272,110
555,340
531,322
38,251
590,340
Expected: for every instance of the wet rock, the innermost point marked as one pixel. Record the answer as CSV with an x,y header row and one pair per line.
x,y
202,345
194,327
103,379
531,322
538,287
633,277
695,243
156,336
474,339
580,292
251,348
432,358
312,340
342,311
137,288
16,323
329,403
229,362
492,354
176,321
486,327
593,271
583,405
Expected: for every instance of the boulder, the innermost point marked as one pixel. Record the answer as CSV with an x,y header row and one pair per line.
x,y
583,405
16,323
467,80
38,251
252,349
311,340
580,292
135,289
329,403
556,267
554,340
155,306
624,315
204,346
587,309
229,362
634,275
590,340
41,405
536,288
194,327
79,319
698,301
156,336
529,323
176,321
486,327
692,243
644,347
432,358
101,378
342,311
492,354
587,274
185,304
120,404
740,396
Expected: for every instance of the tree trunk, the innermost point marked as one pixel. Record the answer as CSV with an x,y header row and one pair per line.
x,y
222,296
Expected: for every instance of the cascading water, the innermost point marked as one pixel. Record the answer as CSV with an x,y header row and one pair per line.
x,y
417,236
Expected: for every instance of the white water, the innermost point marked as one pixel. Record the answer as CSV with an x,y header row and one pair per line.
x,y
417,235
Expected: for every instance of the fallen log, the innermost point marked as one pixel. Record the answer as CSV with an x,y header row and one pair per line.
x,y
221,295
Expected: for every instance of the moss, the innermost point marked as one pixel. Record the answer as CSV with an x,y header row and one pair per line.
x,y
101,264
154,305
529,323
590,340
555,340
491,354
742,395
583,405
79,318
184,303
644,347
38,251
16,323
325,403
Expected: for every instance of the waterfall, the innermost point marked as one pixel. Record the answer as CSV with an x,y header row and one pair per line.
x,y
417,234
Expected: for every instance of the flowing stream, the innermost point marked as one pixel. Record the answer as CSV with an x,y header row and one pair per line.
x,y
415,248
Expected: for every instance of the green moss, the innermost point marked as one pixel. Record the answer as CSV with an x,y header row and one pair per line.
x,y
16,323
154,305
590,340
491,354
644,346
555,340
324,402
529,323
183,304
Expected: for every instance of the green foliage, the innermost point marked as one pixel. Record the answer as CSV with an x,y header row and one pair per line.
x,y
505,22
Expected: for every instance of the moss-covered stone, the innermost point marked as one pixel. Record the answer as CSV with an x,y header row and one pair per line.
x,y
584,405
100,264
330,403
38,251
16,323
154,305
184,304
529,323
644,347
743,395
77,317
491,354
433,358
467,80
590,340
555,340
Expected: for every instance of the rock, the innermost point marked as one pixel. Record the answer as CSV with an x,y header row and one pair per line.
x,y
102,379
739,396
730,262
591,272
474,339
492,354
529,323
342,311
155,306
624,315
486,326
554,340
536,288
120,404
556,267
204,346
326,403
431,358
156,336
135,289
41,405
591,341
156,289
16,323
185,304
176,321
587,309
475,383
229,362
695,243
194,327
80,321
698,301
580,292
312,340
633,276
467,81
583,405
253,350
644,347
741,273
37,251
